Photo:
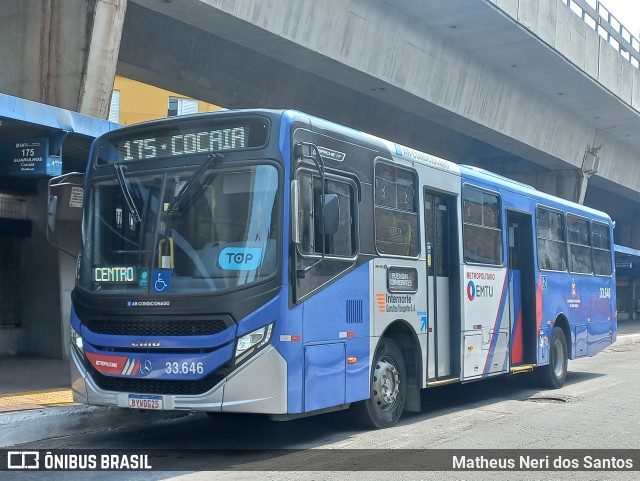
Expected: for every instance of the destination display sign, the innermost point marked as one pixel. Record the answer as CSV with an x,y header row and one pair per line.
x,y
182,137
202,142
30,157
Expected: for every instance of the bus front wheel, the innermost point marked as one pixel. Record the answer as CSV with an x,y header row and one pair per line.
x,y
554,374
388,387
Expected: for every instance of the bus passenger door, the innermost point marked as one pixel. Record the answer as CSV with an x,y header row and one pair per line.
x,y
437,213
522,328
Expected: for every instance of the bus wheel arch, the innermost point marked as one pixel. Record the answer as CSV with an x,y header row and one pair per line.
x,y
554,374
393,377
401,332
563,323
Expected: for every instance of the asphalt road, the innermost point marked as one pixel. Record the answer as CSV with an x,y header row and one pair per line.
x,y
596,409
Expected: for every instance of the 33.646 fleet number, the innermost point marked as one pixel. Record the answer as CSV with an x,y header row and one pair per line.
x,y
184,368
605,293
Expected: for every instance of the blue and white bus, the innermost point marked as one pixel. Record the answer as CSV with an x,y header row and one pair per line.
x,y
272,262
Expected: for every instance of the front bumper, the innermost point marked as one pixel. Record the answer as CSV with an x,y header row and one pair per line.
x,y
257,386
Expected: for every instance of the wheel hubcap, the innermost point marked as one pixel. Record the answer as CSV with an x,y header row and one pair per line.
x,y
558,358
386,382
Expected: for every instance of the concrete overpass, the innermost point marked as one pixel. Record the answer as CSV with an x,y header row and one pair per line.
x,y
523,87
529,77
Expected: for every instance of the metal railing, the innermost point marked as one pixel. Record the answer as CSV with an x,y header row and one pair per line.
x,y
599,18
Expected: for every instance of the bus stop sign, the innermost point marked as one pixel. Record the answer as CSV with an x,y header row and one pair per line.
x,y
30,157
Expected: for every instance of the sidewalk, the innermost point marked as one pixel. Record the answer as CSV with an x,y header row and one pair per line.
x,y
36,402
628,332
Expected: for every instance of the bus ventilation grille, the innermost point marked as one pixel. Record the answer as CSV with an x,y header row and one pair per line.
x,y
156,386
162,327
354,311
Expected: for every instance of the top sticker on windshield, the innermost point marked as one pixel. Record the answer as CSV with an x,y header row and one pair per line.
x,y
240,258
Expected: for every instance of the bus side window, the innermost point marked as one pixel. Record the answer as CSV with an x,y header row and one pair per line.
x,y
552,248
482,232
601,249
343,242
579,247
396,212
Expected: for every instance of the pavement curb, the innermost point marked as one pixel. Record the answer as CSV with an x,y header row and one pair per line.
x,y
53,422
624,339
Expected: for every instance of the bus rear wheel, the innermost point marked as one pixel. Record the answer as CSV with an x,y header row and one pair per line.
x,y
388,387
554,374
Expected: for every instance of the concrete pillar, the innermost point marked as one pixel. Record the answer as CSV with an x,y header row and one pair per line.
x,y
568,184
563,183
40,283
61,53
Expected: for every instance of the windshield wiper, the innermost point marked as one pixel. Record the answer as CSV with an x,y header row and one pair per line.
x,y
182,195
133,210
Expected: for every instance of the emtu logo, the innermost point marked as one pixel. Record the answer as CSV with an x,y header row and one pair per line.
x,y
382,305
471,291
482,290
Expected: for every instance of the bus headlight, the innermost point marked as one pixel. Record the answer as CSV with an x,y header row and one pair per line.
x,y
249,343
76,341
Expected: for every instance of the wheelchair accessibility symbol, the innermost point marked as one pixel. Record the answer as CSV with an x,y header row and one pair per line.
x,y
161,280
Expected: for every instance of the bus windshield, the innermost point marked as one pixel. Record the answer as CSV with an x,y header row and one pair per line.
x,y
170,231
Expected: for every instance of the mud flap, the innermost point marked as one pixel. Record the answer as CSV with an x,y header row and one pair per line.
x,y
412,404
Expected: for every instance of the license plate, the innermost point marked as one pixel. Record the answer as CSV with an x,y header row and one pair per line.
x,y
139,401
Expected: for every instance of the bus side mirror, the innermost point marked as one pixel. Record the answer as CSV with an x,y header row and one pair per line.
x,y
64,211
330,205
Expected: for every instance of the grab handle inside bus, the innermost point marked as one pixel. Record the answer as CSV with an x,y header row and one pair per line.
x,y
296,213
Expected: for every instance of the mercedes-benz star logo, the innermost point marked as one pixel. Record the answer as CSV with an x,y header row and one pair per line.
x,y
145,367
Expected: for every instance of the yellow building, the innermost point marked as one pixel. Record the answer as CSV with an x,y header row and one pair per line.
x,y
133,102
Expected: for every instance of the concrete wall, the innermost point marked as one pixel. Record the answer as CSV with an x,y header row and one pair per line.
x,y
556,25
61,53
233,76
354,61
561,29
41,285
12,341
394,61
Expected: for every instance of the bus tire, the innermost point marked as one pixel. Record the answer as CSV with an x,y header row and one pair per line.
x,y
554,374
388,388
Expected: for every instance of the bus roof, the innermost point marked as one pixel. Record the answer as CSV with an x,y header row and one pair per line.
x,y
395,149
488,178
